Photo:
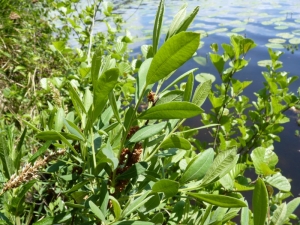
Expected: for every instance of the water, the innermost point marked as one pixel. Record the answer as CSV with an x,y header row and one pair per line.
x,y
260,20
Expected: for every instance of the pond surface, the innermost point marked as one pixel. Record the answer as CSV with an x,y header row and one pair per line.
x,y
270,23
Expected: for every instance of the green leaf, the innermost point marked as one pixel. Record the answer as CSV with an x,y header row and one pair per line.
x,y
171,110
46,221
200,60
116,207
76,100
219,200
279,215
103,87
113,103
73,129
147,131
198,166
40,151
264,160
178,79
135,204
222,164
176,23
245,215
188,88
170,96
59,119
291,206
173,53
17,153
176,142
218,62
7,162
97,211
201,93
141,78
133,222
279,181
54,135
202,77
158,25
134,171
168,187
260,202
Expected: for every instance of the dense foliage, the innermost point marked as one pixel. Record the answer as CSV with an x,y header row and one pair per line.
x,y
88,136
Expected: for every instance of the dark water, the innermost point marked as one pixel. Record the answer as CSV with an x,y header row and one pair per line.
x,y
259,20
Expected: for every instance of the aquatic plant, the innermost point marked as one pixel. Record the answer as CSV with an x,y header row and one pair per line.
x,y
111,146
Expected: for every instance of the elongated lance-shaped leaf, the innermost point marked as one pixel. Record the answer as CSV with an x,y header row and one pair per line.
x,y
292,206
188,88
173,53
171,110
177,21
133,222
225,161
158,25
96,64
279,215
178,79
141,78
104,86
219,200
98,213
198,167
245,215
201,93
76,100
147,131
260,202
135,204
185,23
7,162
17,153
114,106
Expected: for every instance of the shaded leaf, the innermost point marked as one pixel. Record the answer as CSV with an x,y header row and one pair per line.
x,y
168,187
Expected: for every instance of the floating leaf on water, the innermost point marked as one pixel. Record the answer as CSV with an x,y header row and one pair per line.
x,y
277,40
297,21
278,19
275,45
281,27
285,35
238,29
263,15
202,77
267,22
200,60
229,34
296,32
219,30
295,41
264,63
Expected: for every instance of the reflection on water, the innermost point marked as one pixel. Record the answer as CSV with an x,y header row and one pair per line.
x,y
276,23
